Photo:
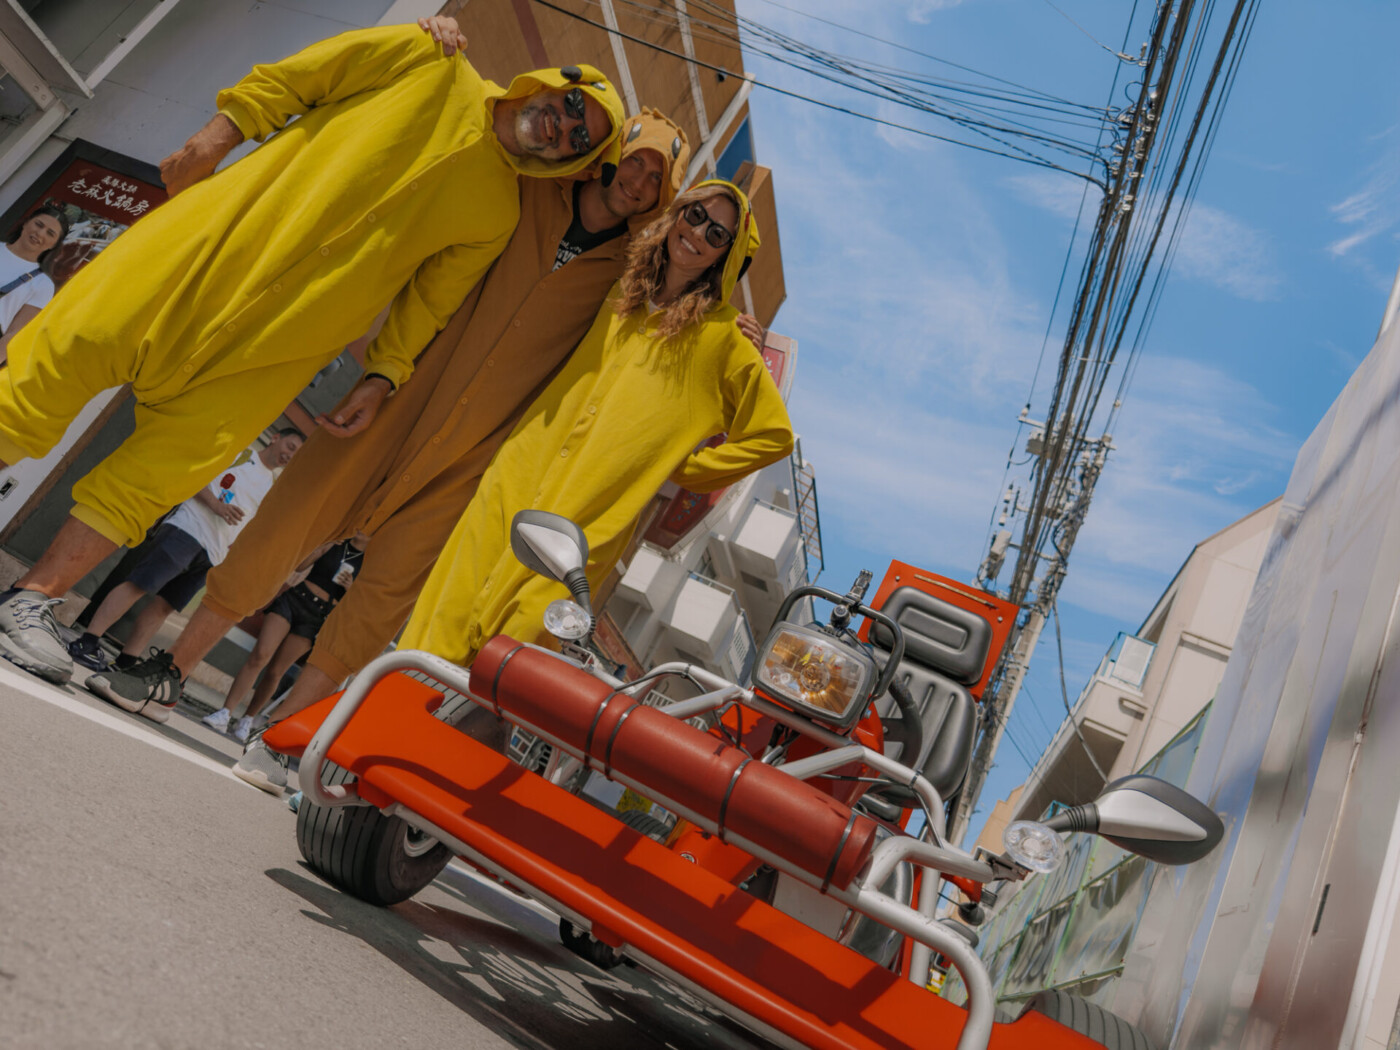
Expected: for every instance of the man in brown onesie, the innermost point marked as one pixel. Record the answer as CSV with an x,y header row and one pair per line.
x,y
406,480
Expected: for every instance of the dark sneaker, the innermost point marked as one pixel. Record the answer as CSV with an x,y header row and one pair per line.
x,y
150,688
262,767
29,636
87,650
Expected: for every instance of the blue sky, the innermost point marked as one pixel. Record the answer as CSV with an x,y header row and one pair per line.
x,y
920,280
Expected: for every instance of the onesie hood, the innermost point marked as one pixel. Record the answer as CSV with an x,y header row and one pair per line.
x,y
746,238
604,154
652,129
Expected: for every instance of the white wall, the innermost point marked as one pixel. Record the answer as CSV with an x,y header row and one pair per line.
x,y
164,90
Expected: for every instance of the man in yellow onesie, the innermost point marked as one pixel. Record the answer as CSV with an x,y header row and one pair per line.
x,y
399,176
405,480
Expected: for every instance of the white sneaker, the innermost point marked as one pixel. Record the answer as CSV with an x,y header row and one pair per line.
x,y
29,635
242,729
217,720
263,768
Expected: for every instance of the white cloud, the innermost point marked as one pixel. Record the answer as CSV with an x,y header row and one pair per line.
x,y
921,11
897,478
1058,194
1374,209
1214,246
1218,248
1195,451
918,336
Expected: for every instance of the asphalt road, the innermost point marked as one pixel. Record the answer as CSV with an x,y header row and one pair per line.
x,y
149,899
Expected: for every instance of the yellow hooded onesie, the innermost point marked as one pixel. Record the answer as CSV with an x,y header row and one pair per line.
x,y
622,416
406,479
220,305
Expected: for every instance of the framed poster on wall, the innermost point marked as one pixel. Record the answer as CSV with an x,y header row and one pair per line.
x,y
101,193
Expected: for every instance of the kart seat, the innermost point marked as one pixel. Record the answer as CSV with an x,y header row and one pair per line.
x,y
945,648
694,769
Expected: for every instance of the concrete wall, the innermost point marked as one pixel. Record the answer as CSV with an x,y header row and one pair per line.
x,y
1282,937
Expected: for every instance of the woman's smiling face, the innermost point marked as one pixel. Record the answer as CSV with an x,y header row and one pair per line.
x,y
687,247
40,233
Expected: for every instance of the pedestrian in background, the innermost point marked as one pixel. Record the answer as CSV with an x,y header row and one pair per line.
x,y
172,562
289,628
25,288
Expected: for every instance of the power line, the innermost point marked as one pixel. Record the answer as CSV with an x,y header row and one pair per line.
x,y
1016,153
914,51
1168,134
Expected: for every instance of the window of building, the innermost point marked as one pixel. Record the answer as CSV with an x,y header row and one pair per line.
x,y
706,568
740,149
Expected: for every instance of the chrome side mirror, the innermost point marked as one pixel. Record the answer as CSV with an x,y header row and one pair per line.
x,y
548,544
554,547
1149,817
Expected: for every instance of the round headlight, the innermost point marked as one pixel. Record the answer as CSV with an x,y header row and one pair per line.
x,y
1033,845
566,620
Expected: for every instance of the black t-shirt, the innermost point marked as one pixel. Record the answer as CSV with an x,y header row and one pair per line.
x,y
328,567
578,240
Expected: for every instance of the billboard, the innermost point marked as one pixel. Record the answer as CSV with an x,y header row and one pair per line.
x,y
101,193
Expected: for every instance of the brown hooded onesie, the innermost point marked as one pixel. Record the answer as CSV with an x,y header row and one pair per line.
x,y
407,478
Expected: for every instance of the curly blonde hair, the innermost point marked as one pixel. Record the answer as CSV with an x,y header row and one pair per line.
x,y
645,273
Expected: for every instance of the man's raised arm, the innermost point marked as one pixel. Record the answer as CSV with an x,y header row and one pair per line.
x,y
272,94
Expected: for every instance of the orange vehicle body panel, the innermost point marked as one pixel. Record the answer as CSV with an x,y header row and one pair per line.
x,y
639,893
999,613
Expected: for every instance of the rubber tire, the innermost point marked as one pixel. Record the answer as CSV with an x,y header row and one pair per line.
x,y
1079,1015
362,851
585,945
588,947
645,824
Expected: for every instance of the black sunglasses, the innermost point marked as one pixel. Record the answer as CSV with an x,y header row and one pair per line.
x,y
574,107
716,235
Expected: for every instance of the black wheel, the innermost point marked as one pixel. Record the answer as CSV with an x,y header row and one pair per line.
x,y
1080,1015
379,859
586,946
645,824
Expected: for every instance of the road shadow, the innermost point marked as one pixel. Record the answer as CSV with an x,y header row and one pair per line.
x,y
500,962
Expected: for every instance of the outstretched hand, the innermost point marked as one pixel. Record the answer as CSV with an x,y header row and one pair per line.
x,y
358,410
200,155
444,29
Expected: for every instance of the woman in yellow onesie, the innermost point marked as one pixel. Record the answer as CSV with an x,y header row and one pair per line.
x,y
663,369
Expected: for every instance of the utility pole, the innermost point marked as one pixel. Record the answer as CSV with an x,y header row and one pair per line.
x,y
1159,146
1068,511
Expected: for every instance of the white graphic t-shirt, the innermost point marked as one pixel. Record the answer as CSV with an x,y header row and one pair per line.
x,y
244,486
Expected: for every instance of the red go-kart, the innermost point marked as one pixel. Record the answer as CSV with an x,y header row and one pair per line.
x,y
780,882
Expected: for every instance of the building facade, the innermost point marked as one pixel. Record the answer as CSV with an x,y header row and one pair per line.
x,y
1152,683
1144,709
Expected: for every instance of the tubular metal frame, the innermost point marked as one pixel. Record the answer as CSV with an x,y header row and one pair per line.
x,y
862,896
